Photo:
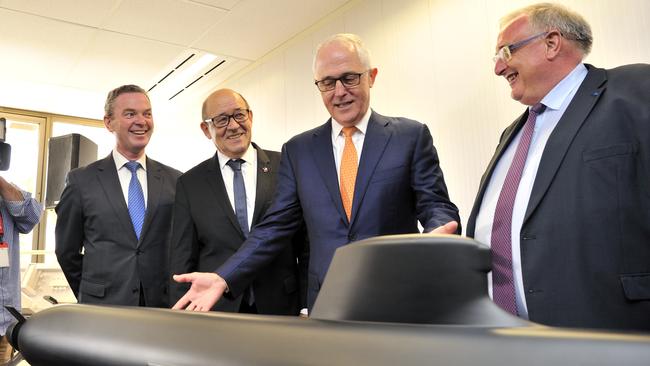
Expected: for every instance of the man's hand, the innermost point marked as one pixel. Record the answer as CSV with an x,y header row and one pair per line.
x,y
448,228
206,290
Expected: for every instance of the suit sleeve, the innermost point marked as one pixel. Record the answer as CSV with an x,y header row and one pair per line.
x,y
69,233
281,222
183,250
433,205
301,252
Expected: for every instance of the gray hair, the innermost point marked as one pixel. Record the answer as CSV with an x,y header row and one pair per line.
x,y
350,39
113,94
549,16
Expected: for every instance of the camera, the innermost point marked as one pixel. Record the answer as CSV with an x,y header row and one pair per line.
x,y
5,148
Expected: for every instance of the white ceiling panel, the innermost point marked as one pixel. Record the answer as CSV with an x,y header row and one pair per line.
x,y
114,59
87,47
87,12
221,4
39,49
173,21
255,27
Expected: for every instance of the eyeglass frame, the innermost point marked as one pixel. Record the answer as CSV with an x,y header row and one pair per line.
x,y
245,111
340,78
505,52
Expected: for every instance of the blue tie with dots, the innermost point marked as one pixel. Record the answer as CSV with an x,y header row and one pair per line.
x,y
136,198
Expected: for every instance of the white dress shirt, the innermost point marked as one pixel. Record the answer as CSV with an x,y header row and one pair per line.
x,y
249,172
125,175
556,102
338,140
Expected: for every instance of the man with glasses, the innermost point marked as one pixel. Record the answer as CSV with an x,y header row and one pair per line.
x,y
358,175
213,217
565,203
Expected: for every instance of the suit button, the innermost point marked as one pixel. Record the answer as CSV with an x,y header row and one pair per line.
x,y
138,252
352,237
135,290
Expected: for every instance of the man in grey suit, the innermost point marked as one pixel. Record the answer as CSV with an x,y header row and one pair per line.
x,y
207,228
114,216
565,203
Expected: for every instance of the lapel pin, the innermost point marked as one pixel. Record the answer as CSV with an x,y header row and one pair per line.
x,y
595,94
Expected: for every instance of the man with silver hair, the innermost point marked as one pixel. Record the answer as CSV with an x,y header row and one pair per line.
x,y
565,203
358,175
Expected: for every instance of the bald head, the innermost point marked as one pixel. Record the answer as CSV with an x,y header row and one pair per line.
x,y
229,122
216,97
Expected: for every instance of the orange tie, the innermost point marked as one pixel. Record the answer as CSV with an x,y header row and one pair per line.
x,y
349,168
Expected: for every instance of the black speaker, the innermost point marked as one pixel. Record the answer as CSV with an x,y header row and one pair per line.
x,y
66,153
5,156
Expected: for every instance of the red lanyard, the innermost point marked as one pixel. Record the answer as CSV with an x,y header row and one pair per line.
x,y
2,228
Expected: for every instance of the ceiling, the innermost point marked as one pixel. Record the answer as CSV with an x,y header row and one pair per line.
x,y
86,48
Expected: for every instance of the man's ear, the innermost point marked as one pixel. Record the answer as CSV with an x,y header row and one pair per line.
x,y
107,123
554,43
206,130
372,73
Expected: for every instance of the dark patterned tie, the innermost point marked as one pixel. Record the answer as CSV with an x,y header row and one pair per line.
x,y
240,194
503,285
136,198
241,212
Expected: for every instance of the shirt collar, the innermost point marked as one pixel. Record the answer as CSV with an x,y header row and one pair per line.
x,y
556,97
249,156
361,126
120,160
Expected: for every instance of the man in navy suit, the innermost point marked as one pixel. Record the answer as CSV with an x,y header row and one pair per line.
x,y
398,181
580,220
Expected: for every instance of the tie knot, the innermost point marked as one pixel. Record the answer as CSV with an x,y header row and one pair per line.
x,y
235,164
349,131
538,108
132,166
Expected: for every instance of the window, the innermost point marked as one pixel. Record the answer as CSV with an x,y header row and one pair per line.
x,y
28,134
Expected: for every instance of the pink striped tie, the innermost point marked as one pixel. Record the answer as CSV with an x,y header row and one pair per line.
x,y
503,286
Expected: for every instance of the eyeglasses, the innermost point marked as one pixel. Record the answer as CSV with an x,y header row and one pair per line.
x,y
349,80
505,53
222,120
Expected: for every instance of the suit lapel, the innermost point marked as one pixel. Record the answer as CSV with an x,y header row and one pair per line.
x,y
506,139
264,189
214,180
322,152
110,183
560,140
154,189
377,136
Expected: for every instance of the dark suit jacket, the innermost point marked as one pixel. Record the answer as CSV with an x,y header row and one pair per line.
x,y
92,214
206,233
398,183
585,239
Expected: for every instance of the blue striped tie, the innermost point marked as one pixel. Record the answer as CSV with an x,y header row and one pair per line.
x,y
136,198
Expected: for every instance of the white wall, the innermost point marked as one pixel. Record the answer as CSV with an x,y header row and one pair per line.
x,y
434,61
